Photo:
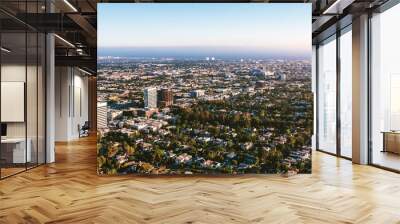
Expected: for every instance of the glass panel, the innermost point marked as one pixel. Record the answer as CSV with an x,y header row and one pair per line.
x,y
13,87
31,98
346,94
41,99
385,83
327,96
32,87
23,90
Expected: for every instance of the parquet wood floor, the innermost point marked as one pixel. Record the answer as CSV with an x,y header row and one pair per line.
x,y
69,191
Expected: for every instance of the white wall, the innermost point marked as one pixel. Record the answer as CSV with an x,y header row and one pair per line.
x,y
61,103
71,102
33,127
14,73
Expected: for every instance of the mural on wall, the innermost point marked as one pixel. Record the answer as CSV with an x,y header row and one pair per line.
x,y
204,88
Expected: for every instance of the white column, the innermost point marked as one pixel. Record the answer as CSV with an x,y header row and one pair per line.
x,y
360,90
50,100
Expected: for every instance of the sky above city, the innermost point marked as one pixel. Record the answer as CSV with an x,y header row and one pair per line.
x,y
219,30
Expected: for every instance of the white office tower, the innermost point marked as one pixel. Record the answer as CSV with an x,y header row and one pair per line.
x,y
150,97
197,93
102,118
282,77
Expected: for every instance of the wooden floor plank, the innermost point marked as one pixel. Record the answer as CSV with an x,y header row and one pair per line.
x,y
69,191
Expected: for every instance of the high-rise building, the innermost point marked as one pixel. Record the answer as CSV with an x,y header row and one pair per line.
x,y
282,77
165,98
150,97
197,93
102,118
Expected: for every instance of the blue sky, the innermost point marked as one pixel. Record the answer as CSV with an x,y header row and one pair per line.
x,y
254,27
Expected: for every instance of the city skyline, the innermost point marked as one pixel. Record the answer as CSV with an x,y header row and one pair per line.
x,y
190,117
200,30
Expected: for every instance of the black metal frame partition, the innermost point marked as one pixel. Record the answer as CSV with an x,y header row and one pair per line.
x,y
44,93
339,32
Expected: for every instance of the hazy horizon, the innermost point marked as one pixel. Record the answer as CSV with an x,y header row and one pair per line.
x,y
205,30
195,52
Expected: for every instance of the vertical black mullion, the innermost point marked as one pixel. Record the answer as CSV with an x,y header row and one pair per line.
x,y
45,89
369,90
317,97
338,73
60,96
37,89
26,86
45,95
69,93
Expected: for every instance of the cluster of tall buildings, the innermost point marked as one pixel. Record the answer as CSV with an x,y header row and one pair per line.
x,y
267,74
154,98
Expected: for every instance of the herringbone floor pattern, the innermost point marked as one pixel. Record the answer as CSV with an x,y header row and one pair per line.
x,y
69,191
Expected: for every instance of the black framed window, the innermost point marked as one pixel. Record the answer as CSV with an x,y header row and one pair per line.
x,y
345,82
385,87
334,94
326,95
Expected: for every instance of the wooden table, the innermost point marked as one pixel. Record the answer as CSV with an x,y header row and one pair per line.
x,y
391,141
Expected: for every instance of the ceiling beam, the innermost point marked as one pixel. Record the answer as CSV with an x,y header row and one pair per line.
x,y
337,7
84,24
77,61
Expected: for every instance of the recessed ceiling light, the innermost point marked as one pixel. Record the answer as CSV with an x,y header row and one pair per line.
x,y
64,40
5,50
86,72
70,5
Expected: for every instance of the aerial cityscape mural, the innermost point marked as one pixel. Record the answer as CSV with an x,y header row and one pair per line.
x,y
204,89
